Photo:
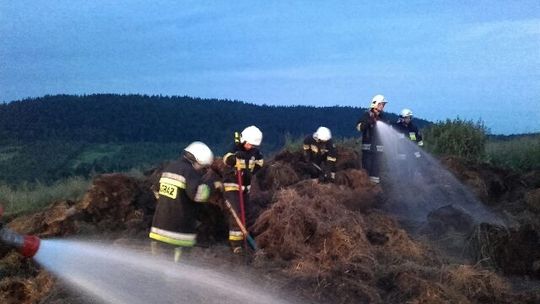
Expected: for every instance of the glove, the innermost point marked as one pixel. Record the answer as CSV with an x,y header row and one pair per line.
x,y
218,185
421,143
323,179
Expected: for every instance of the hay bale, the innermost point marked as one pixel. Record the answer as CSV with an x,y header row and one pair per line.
x,y
315,235
476,284
276,175
514,250
55,220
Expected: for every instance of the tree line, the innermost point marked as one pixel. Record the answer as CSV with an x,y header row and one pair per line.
x,y
106,118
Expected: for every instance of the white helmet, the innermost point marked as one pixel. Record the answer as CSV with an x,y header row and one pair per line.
x,y
252,135
203,155
377,99
323,134
406,113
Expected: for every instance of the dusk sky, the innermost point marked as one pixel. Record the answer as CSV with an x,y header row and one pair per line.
x,y
442,59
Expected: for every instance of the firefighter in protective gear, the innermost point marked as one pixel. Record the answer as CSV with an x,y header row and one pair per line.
x,y
181,190
242,161
372,147
405,126
407,131
320,153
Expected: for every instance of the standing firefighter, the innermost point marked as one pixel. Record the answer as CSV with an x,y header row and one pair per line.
x,y
181,189
242,161
407,153
372,147
320,153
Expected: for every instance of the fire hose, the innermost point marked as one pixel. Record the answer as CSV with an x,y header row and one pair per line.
x,y
27,245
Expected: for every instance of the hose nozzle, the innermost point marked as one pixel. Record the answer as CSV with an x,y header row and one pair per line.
x,y
27,245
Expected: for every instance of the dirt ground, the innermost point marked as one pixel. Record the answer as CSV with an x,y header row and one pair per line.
x,y
327,242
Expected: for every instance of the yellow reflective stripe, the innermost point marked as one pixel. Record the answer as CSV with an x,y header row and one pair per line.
x,y
234,187
332,159
203,193
235,235
306,147
167,240
174,176
172,182
174,238
240,163
412,136
231,187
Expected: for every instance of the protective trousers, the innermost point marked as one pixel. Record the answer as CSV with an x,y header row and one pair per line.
x,y
371,161
236,237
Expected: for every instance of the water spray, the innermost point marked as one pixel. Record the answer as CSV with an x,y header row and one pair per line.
x,y
27,245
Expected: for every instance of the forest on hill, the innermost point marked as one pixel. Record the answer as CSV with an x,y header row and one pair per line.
x,y
108,118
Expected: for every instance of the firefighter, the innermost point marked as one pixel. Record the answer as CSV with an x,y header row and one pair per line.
x,y
407,131
320,153
242,161
372,147
181,189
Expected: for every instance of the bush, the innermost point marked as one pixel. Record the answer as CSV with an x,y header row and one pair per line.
x,y
457,137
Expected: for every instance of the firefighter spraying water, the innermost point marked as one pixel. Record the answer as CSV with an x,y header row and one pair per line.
x,y
27,245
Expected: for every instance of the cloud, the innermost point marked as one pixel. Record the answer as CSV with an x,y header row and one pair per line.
x,y
507,29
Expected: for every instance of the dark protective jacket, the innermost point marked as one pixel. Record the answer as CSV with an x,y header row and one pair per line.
x,y
321,153
248,161
181,189
367,126
409,130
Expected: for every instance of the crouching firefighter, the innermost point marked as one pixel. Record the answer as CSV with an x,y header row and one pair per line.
x,y
320,153
242,161
181,189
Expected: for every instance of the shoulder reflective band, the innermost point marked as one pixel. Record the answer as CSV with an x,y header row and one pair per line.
x,y
203,193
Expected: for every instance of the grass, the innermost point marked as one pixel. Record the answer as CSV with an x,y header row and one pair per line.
x,y
26,198
519,153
